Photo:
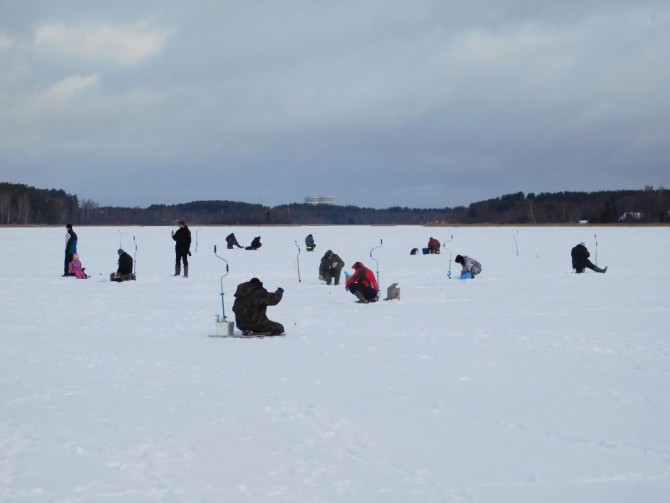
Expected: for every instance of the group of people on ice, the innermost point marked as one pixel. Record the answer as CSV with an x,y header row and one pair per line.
x,y
252,299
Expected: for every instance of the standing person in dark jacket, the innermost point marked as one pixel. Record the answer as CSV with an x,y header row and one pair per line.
x,y
125,269
330,267
363,284
251,302
182,248
580,260
70,248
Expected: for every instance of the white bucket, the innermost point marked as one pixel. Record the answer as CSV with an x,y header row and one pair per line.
x,y
224,327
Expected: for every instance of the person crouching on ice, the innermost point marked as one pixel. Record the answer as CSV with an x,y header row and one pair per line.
x,y
363,284
75,268
469,266
125,269
251,303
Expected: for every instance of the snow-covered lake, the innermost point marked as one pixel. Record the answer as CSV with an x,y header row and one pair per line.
x,y
527,384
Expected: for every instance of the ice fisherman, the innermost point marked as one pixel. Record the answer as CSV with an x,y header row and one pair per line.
x,y
255,244
125,269
231,241
363,284
433,245
70,248
251,303
580,260
182,248
309,243
330,267
469,266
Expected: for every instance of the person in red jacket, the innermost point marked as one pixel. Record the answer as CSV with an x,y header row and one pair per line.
x,y
363,284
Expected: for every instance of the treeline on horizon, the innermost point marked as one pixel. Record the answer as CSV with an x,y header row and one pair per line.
x,y
24,205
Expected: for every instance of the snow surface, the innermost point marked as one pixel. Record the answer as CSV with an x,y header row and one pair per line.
x,y
527,384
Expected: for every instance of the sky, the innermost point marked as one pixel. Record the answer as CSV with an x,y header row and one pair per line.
x,y
379,103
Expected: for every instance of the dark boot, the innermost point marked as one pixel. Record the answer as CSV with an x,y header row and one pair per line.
x,y
177,269
361,297
598,269
186,271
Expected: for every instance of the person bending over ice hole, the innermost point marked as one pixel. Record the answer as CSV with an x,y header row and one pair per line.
x,y
255,244
363,284
469,266
231,241
125,269
580,260
251,302
309,243
330,267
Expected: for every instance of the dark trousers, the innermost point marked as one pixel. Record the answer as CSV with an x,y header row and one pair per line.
x,y
368,292
68,259
181,257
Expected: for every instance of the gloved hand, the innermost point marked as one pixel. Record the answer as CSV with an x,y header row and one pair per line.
x,y
321,278
173,233
280,290
334,265
189,254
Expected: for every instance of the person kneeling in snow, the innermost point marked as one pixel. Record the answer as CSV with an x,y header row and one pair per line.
x,y
363,284
75,268
470,267
251,302
125,270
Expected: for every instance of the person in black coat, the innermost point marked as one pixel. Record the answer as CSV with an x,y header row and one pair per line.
x,y
255,244
251,303
125,269
182,248
580,260
231,241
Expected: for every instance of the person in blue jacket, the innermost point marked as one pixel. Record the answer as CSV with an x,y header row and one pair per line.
x,y
70,248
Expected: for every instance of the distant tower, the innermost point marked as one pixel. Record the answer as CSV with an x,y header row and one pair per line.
x,y
319,200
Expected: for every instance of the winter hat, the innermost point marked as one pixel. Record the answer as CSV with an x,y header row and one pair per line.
x,y
181,222
119,251
75,256
357,265
329,253
68,226
458,259
582,243
256,281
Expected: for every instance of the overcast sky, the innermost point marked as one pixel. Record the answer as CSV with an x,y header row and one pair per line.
x,y
423,103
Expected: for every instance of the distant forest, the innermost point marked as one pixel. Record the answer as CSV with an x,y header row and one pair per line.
x,y
24,205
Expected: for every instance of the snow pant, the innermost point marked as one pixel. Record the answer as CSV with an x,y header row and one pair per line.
x,y
332,274
260,326
368,292
68,259
183,257
591,266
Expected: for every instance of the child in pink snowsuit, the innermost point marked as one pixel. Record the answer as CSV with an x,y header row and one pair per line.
x,y
76,269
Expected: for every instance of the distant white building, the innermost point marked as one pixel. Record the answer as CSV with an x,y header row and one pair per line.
x,y
319,200
635,216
